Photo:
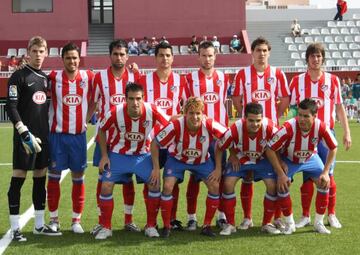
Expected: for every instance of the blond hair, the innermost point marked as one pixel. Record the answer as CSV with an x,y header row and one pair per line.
x,y
194,103
38,41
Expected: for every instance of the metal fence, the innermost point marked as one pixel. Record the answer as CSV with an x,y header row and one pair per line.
x,y
3,114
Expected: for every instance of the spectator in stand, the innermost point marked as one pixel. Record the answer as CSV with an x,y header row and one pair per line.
x,y
204,39
23,60
235,45
341,9
153,44
295,28
144,46
194,45
163,39
133,47
12,64
216,44
0,65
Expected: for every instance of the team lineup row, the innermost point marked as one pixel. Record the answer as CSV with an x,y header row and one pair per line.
x,y
135,120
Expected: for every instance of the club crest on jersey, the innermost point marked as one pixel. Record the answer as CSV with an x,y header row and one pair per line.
x,y
117,99
134,136
82,84
13,91
262,142
248,84
319,101
173,88
252,154
314,140
210,97
261,95
146,123
271,80
324,87
192,153
39,97
72,100
275,138
202,139
162,134
164,103
219,83
303,154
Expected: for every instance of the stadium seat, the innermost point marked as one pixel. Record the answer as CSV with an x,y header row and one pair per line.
x,y
341,24
349,39
328,39
327,55
184,49
299,63
225,49
295,55
315,31
346,54
333,46
356,16
340,62
305,31
53,52
11,52
357,38
354,30
22,51
358,62
356,54
355,69
175,49
288,40
330,62
303,55
334,31
302,47
331,23
343,46
336,54
292,47
350,23
339,39
351,62
319,39
308,39
354,46
345,31
325,31
299,40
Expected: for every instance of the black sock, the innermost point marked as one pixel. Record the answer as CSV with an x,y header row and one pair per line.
x,y
14,194
39,192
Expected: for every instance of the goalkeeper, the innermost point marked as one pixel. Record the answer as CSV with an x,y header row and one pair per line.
x,y
27,109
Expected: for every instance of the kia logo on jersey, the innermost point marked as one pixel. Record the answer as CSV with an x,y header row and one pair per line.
x,y
192,153
252,154
39,97
164,103
72,100
134,136
210,97
117,99
261,95
319,101
303,154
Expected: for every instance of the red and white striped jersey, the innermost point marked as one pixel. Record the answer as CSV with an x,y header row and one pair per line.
x,y
69,104
213,91
186,147
166,96
249,148
326,92
132,135
110,91
298,147
264,89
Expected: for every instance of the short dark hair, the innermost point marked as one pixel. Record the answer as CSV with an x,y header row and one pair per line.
x,y
315,48
310,104
206,45
134,87
163,45
258,41
253,108
119,43
69,47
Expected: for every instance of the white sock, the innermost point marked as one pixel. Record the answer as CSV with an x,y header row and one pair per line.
x,y
192,217
39,218
76,216
54,214
128,209
289,219
319,218
14,222
221,216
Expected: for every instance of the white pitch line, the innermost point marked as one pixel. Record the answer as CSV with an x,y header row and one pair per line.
x,y
26,216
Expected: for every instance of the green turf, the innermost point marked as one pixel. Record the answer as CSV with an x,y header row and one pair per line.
x,y
304,241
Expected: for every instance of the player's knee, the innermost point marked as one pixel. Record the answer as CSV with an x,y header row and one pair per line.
x,y
213,187
106,188
168,188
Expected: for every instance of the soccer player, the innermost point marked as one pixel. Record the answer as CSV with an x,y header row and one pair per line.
x,y
266,85
27,109
211,86
325,89
298,138
129,154
188,140
71,90
165,89
248,138
109,87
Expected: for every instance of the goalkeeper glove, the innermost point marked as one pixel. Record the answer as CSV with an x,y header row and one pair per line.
x,y
29,141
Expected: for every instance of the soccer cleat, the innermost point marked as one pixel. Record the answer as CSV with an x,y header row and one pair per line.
x,y
151,232
304,221
289,228
165,232
270,229
46,231
96,229
132,227
333,221
54,225
320,227
77,228
206,231
279,224
103,233
191,225
246,224
221,223
17,236
176,225
228,230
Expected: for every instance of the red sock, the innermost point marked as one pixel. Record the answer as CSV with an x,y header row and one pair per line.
x,y
277,214
192,194
212,204
229,203
53,193
332,196
78,197
246,195
106,208
152,208
175,199
307,191
285,203
98,192
269,208
166,205
128,191
322,200
145,192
